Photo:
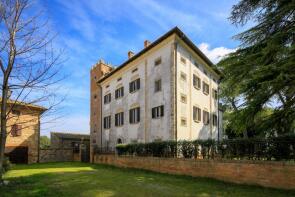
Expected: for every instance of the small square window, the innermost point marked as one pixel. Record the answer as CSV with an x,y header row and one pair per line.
x,y
183,76
158,61
183,98
196,82
134,70
183,60
183,122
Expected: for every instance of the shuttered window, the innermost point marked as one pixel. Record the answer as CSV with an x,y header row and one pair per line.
x,y
214,119
196,114
119,92
158,112
119,119
107,98
214,94
205,117
205,88
196,82
158,85
16,130
134,85
107,122
134,115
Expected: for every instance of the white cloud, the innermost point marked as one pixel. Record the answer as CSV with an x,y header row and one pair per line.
x,y
215,54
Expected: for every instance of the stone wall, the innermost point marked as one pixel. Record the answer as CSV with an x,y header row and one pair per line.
x,y
263,173
56,155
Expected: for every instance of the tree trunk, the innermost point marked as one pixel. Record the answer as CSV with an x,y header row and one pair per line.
x,y
3,129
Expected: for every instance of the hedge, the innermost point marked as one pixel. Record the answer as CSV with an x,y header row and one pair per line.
x,y
273,148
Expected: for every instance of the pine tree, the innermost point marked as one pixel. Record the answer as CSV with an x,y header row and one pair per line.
x,y
262,70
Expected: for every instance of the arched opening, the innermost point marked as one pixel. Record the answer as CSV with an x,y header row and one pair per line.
x,y
119,141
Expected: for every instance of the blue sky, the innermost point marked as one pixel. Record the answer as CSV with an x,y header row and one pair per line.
x,y
93,29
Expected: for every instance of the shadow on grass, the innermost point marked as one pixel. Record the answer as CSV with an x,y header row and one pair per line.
x,y
105,180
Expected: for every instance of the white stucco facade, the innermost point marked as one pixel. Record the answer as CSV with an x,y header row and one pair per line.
x,y
169,126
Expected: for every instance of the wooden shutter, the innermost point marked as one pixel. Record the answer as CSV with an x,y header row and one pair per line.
x,y
162,110
138,114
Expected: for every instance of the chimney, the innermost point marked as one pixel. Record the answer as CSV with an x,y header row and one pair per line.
x,y
130,54
146,43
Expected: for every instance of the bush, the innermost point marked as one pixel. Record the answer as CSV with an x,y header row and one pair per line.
x,y
273,148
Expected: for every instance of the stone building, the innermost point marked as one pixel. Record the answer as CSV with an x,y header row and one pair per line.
x,y
23,127
167,91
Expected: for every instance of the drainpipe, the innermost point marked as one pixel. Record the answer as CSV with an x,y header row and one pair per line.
x,y
218,132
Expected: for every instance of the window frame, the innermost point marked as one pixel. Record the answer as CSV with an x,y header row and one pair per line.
x,y
119,119
205,116
107,124
119,92
158,112
198,81
107,98
214,120
16,130
197,114
134,115
158,61
158,88
205,84
134,85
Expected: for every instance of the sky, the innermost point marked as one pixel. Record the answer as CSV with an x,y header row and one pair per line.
x,y
89,30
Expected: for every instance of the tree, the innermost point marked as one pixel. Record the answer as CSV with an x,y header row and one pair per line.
x,y
29,64
262,70
44,142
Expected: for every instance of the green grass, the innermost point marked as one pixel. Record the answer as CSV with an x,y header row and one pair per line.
x,y
80,179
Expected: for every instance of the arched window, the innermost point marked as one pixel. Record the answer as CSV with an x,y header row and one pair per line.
x,y
119,141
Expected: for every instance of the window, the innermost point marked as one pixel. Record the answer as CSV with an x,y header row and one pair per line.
x,y
183,98
205,117
214,94
107,122
196,82
119,79
107,86
183,76
15,112
134,85
134,115
107,98
95,96
214,120
197,114
119,119
195,63
158,61
183,122
205,72
158,112
16,130
119,92
134,70
158,85
94,141
205,88
183,60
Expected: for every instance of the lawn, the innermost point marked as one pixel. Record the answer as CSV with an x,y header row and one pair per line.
x,y
81,179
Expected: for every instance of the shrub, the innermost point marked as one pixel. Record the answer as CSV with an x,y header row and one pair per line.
x,y
273,148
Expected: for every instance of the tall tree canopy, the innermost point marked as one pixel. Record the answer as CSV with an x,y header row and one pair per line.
x,y
261,72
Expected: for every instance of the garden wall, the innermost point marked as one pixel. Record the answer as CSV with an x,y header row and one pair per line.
x,y
264,173
56,155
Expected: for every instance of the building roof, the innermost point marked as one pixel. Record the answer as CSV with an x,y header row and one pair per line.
x,y
182,36
29,105
65,135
